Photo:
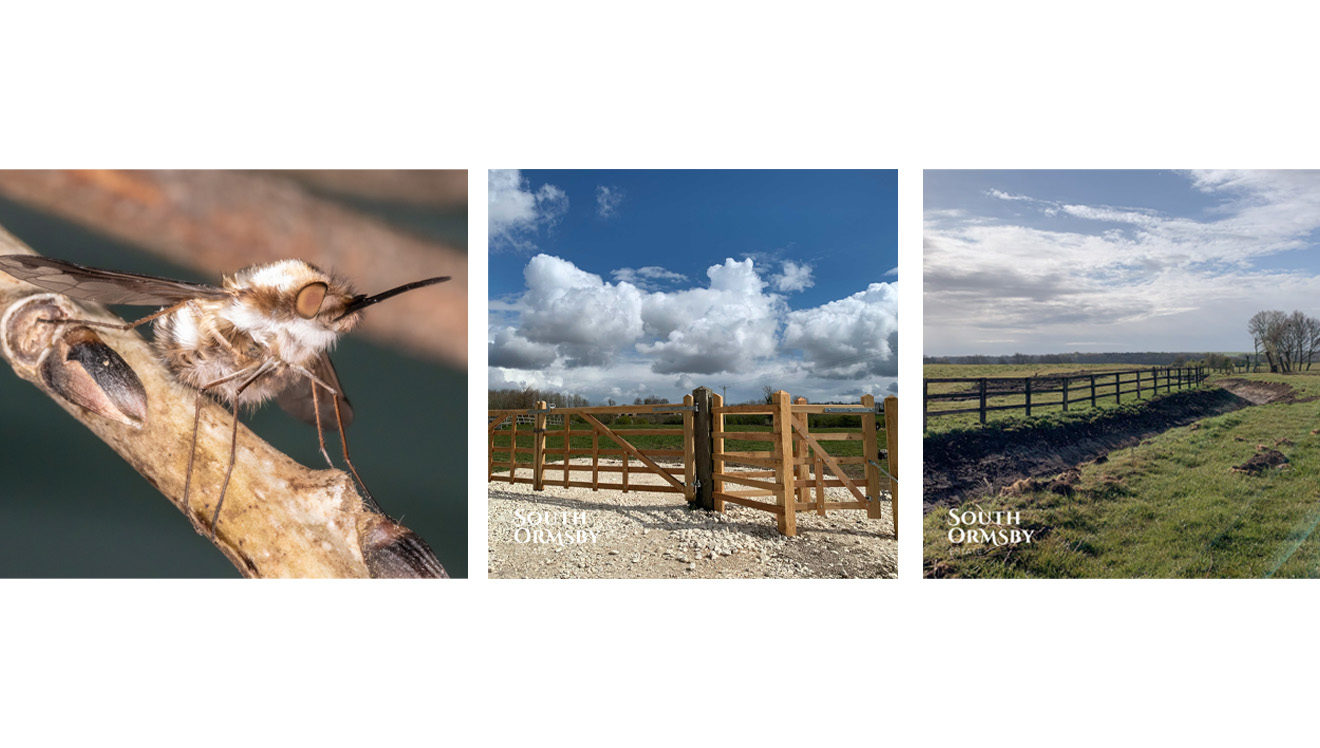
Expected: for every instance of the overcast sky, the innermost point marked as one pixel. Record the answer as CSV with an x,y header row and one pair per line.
x,y
1061,261
625,284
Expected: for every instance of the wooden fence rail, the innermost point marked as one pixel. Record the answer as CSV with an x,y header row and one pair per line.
x,y
1092,388
793,471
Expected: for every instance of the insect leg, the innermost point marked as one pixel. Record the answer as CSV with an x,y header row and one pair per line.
x,y
233,443
117,325
192,450
343,440
320,435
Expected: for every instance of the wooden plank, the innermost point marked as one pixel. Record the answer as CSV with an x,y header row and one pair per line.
x,y
735,457
690,448
750,494
754,504
717,450
871,451
834,466
801,471
703,398
808,505
651,432
845,437
775,487
891,437
783,426
538,447
747,436
568,445
595,461
755,408
601,428
496,423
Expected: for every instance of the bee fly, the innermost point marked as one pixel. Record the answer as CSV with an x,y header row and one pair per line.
x,y
263,334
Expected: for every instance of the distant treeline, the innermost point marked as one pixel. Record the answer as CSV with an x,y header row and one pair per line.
x,y
510,399
1145,358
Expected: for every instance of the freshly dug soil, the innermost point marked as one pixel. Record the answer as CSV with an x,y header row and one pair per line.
x,y
1260,393
961,463
1261,462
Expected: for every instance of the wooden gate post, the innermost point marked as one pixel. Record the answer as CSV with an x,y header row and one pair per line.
x,y
717,451
538,447
786,491
704,496
870,451
689,450
891,440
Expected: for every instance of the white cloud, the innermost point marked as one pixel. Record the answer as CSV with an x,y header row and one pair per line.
x,y
607,200
1158,282
649,277
517,213
794,277
619,340
724,328
510,350
849,338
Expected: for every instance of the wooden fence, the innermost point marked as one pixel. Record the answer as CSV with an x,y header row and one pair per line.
x,y
793,473
1090,390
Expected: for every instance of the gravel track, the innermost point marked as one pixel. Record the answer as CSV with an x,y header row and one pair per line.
x,y
574,533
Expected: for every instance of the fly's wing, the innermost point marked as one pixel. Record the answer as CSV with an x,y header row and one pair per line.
x,y
296,400
104,286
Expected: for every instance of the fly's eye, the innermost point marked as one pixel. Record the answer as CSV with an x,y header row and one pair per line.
x,y
309,300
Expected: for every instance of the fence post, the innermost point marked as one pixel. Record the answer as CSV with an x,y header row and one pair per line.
x,y
689,453
803,470
1065,394
1138,384
783,425
1118,387
925,404
702,397
716,451
891,441
982,401
1028,389
1092,390
870,451
538,447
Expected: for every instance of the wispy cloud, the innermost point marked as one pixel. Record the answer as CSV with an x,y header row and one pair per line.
x,y
608,200
518,213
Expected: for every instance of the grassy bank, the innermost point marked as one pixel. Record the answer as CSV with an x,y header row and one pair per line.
x,y
1170,506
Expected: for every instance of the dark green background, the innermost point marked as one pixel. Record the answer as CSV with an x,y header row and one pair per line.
x,y
70,507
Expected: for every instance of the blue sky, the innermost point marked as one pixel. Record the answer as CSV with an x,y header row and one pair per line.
x,y
1060,261
619,284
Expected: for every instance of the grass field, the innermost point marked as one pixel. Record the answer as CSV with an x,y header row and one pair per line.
x,y
581,439
1170,506
1104,392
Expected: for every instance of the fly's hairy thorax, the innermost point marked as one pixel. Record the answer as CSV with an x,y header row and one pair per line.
x,y
206,340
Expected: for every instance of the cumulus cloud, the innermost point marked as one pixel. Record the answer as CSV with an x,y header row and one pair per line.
x,y
620,340
517,212
794,277
508,349
726,327
849,338
588,318
607,200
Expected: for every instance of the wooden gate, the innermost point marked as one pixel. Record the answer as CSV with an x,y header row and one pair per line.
x,y
797,469
544,440
789,476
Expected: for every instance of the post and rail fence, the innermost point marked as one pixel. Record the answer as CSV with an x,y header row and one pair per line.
x,y
788,477
1092,388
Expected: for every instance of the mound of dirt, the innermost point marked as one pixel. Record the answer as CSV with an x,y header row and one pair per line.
x,y
1260,462
959,464
1260,393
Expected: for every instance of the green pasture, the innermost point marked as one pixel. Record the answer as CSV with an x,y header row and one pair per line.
x,y
1170,506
